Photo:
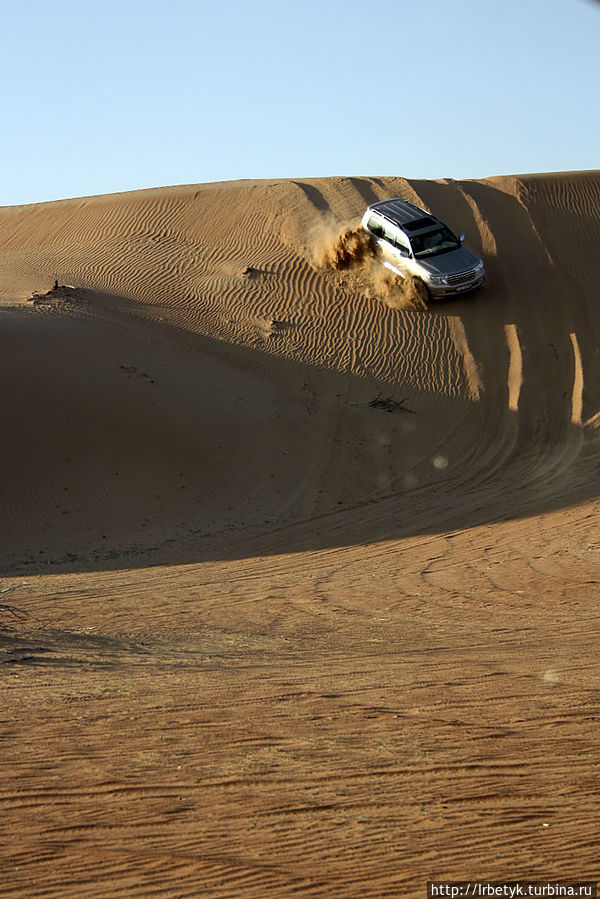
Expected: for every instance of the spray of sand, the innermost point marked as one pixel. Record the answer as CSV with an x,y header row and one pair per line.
x,y
340,246
345,246
396,292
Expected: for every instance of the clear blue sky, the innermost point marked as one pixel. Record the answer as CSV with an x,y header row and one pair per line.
x,y
107,96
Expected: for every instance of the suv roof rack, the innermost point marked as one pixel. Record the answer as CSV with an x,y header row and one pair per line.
x,y
404,213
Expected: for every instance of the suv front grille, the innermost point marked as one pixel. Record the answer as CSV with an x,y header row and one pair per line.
x,y
461,277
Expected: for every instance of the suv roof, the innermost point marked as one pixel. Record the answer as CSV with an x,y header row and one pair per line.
x,y
407,215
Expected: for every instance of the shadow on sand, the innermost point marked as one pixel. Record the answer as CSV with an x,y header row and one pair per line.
x,y
127,443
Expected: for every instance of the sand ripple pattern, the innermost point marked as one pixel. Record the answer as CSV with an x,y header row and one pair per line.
x,y
233,263
501,387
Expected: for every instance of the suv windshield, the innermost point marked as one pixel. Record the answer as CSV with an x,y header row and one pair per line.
x,y
432,243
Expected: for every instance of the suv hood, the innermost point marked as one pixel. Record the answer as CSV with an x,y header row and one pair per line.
x,y
449,263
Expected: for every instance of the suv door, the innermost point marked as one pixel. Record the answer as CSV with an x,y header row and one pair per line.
x,y
395,248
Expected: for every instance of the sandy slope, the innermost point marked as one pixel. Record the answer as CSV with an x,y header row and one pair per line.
x,y
260,637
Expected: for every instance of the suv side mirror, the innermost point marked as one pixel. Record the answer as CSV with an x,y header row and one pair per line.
x,y
461,237
404,251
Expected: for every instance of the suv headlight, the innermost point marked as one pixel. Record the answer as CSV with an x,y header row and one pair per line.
x,y
437,280
479,268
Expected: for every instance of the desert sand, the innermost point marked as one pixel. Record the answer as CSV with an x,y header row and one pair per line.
x,y
261,635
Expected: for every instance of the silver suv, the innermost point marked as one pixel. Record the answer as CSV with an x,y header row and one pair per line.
x,y
411,241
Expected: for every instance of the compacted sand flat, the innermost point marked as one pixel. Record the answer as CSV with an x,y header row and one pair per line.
x,y
260,637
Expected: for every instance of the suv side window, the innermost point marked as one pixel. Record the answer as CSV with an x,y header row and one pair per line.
x,y
402,242
396,238
390,234
374,225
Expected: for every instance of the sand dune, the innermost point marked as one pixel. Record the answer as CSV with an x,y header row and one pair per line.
x,y
369,634
283,358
